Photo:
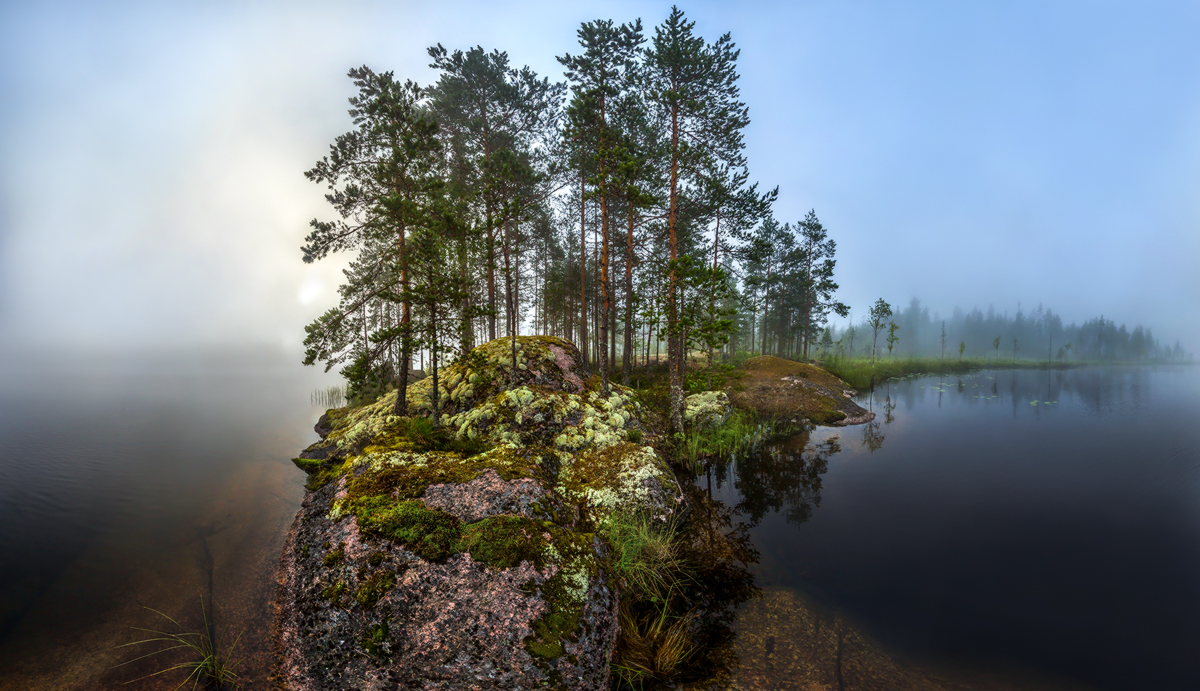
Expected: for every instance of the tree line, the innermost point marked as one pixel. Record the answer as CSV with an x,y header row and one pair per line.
x,y
614,209
912,331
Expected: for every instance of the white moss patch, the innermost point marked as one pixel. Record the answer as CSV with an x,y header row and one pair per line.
x,y
707,409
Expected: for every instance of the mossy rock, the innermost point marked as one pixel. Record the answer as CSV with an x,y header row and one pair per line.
x,y
623,477
707,410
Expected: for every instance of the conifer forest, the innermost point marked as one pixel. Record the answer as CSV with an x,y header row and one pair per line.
x,y
616,209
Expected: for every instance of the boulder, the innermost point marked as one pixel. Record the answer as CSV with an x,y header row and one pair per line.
x,y
707,409
461,558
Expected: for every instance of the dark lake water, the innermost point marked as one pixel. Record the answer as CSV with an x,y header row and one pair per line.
x,y
966,533
152,483
1039,527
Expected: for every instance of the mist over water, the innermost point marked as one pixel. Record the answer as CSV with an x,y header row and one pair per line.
x,y
128,484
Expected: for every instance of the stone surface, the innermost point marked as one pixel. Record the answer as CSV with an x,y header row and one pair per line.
x,y
464,562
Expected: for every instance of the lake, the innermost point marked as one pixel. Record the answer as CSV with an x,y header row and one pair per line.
x,y
151,483
1033,528
966,533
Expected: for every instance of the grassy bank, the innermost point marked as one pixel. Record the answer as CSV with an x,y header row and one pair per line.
x,y
861,374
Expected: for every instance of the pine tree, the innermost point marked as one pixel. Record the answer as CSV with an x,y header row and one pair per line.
x,y
817,282
876,318
693,85
383,179
600,73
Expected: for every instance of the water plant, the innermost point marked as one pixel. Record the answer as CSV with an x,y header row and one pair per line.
x,y
207,666
329,397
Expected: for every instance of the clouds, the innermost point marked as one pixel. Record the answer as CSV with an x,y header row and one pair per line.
x,y
151,156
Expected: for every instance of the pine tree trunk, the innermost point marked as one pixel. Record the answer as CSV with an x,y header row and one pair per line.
x,y
583,310
627,354
674,349
401,407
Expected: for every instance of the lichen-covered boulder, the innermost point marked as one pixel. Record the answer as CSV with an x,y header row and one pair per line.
x,y
707,409
460,558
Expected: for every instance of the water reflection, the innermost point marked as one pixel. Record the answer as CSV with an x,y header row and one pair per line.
x,y
1008,524
782,476
872,438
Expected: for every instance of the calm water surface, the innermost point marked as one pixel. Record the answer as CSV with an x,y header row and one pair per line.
x,y
965,529
155,484
1015,524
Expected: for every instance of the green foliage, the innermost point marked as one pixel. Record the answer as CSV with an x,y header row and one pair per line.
x,y
741,431
644,554
876,318
365,382
320,471
892,338
860,374
425,437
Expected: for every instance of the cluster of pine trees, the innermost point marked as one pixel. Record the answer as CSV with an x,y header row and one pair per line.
x,y
1038,335
614,210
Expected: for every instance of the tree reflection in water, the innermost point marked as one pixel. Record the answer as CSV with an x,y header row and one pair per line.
x,y
783,476
872,438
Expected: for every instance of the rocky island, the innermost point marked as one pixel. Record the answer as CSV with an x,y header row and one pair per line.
x,y
478,554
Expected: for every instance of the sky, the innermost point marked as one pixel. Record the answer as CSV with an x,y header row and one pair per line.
x,y
970,154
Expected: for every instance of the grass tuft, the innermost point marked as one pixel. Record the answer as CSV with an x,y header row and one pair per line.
x,y
208,666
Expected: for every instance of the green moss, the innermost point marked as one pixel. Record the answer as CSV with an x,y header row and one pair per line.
x,y
320,471
334,593
374,587
378,635
304,552
565,594
505,541
337,556
429,534
406,475
375,559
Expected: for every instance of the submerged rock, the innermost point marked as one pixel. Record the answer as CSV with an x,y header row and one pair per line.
x,y
462,557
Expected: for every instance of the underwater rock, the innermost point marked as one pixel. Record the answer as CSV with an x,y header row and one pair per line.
x,y
707,409
462,557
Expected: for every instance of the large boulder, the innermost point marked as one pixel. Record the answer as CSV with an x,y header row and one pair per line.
x,y
462,558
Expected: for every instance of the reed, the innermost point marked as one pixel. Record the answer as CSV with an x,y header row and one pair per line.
x,y
329,397
206,665
862,374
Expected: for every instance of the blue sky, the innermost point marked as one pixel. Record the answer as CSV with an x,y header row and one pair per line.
x,y
970,154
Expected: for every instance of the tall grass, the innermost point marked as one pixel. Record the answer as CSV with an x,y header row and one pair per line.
x,y
656,637
741,433
329,397
861,374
